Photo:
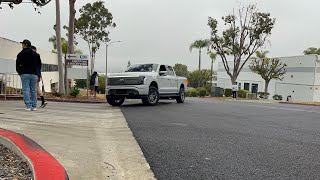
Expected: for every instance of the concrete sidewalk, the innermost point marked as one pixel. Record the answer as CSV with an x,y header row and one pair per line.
x,y
92,141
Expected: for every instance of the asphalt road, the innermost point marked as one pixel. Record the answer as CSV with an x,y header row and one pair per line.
x,y
205,139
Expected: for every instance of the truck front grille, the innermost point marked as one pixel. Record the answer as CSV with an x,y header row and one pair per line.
x,y
124,81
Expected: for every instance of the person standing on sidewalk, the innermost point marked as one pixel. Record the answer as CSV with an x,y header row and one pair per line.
x,y
40,91
234,91
26,66
94,84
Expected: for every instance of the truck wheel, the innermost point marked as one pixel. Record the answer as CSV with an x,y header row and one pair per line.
x,y
115,102
153,97
182,96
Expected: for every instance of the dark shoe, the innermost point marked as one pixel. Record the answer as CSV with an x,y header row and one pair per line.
x,y
44,105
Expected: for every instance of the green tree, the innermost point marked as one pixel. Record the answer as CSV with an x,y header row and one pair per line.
x,y
199,44
312,50
268,69
199,78
245,33
81,83
92,26
102,84
213,57
181,70
64,45
262,54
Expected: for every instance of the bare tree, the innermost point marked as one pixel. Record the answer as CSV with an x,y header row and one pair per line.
x,y
245,33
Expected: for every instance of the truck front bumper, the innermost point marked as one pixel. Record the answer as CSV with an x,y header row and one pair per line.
x,y
130,92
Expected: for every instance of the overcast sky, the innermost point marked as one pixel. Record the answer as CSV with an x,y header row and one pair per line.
x,y
162,30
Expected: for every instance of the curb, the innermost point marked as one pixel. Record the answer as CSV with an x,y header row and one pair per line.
x,y
57,100
43,165
292,103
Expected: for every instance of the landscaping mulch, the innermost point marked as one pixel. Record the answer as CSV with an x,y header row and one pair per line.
x,y
12,167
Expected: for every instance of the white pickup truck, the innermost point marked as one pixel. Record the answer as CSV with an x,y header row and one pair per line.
x,y
148,82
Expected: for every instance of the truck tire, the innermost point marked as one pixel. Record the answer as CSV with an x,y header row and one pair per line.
x,y
182,96
153,97
115,101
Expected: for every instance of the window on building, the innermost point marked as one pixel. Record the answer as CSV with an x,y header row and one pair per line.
x,y
49,68
247,86
239,86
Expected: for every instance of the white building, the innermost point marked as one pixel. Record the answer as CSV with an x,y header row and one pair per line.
x,y
8,54
301,82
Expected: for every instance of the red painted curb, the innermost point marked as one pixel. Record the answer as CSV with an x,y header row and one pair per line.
x,y
45,166
299,104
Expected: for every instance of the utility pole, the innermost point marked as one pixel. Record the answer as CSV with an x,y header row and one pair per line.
x,y
57,28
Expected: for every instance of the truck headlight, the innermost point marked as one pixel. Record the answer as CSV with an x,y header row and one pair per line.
x,y
141,79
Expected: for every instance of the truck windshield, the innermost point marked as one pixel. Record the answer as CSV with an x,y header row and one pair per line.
x,y
142,68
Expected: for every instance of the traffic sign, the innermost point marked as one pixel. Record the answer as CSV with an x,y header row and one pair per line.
x,y
77,62
77,57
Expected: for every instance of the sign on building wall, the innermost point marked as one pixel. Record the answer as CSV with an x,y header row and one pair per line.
x,y
77,59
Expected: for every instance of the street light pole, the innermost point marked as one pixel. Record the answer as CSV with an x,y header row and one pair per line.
x,y
107,45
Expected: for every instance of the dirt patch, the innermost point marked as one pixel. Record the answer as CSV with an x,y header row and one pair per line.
x,y
12,167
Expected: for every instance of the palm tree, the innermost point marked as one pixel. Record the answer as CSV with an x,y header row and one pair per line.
x,y
199,44
64,45
213,57
262,54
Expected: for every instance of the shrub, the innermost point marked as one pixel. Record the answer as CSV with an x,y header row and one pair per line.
x,y
263,95
228,92
192,92
243,93
277,97
74,92
57,94
202,91
218,92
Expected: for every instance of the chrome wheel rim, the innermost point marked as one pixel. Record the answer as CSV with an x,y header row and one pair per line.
x,y
182,95
153,96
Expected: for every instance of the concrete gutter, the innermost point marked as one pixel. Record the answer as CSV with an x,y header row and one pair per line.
x,y
42,164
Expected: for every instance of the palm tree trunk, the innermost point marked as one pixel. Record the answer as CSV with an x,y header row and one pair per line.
x,y
59,48
200,82
211,76
72,13
199,59
266,87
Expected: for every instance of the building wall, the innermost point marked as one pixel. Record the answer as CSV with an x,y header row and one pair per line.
x,y
300,80
8,53
316,94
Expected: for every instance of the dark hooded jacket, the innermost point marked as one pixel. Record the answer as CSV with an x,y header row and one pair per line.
x,y
28,62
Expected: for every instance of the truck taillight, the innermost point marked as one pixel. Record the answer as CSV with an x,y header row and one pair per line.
x,y
187,82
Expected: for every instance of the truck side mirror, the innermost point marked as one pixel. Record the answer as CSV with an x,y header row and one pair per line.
x,y
163,73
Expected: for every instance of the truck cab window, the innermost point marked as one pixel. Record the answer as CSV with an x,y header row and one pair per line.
x,y
163,68
170,71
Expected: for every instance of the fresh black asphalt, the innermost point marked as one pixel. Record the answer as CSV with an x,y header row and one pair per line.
x,y
206,139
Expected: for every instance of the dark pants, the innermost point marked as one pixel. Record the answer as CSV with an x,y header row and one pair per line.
x,y
234,94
